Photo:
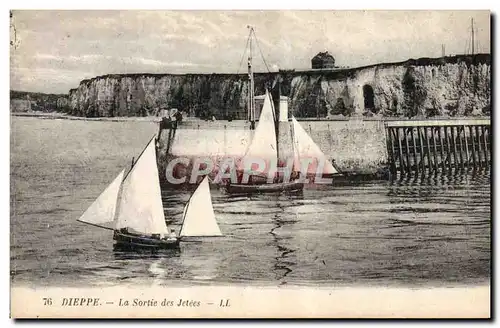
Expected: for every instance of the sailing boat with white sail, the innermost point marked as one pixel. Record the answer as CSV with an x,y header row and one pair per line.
x,y
132,207
264,149
198,219
318,163
278,138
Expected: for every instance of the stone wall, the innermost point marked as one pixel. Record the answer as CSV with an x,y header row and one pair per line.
x,y
357,146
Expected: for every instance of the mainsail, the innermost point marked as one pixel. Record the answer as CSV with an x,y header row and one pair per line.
x,y
102,210
264,145
307,148
199,216
140,206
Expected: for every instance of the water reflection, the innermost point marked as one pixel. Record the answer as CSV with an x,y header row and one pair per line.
x,y
121,252
478,175
282,266
405,184
284,221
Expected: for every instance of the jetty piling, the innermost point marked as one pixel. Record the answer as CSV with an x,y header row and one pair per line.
x,y
446,146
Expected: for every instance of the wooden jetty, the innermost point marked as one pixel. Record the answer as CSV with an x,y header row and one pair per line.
x,y
445,146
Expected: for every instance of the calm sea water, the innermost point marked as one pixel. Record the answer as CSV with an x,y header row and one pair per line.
x,y
428,232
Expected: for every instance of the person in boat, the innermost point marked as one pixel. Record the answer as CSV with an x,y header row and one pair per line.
x,y
294,175
171,235
165,121
175,116
178,118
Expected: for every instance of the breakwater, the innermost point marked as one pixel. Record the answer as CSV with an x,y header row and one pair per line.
x,y
358,147
429,147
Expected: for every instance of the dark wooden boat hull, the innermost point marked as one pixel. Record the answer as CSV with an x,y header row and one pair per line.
x,y
133,241
264,188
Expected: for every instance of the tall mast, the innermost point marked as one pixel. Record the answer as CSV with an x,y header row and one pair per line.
x,y
251,86
472,25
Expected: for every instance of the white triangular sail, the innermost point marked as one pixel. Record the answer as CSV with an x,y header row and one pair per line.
x,y
102,210
140,207
307,148
199,217
263,146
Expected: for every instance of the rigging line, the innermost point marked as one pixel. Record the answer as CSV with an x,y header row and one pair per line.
x,y
96,225
243,56
260,50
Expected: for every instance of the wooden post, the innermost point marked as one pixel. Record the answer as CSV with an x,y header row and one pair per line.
x,y
467,158
460,145
448,147
407,151
485,144
441,149
428,148
486,150
390,157
481,141
480,153
476,148
472,142
414,144
421,148
388,146
433,130
478,145
395,151
400,149
454,143
393,148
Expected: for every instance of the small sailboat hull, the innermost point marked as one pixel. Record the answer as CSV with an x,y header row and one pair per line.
x,y
133,241
264,188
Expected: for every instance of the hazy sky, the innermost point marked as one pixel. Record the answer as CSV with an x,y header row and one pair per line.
x,y
58,49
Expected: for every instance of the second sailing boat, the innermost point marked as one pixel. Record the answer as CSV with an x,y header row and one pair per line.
x,y
279,142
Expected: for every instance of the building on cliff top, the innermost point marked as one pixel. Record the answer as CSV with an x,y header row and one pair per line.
x,y
323,60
